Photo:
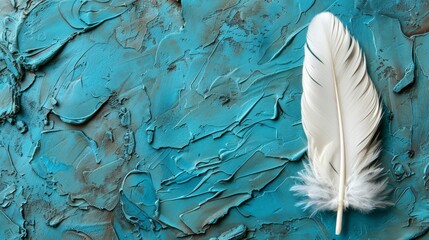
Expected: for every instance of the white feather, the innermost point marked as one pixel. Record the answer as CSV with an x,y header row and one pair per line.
x,y
340,116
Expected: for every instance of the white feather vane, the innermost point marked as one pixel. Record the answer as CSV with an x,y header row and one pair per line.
x,y
341,113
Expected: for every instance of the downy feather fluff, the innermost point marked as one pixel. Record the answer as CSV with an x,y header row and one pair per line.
x,y
340,116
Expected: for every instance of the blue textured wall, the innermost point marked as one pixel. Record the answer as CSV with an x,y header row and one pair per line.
x,y
162,119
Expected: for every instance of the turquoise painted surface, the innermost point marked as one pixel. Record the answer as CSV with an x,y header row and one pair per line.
x,y
180,119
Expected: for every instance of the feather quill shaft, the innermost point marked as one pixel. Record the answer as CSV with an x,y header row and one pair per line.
x,y
342,166
340,116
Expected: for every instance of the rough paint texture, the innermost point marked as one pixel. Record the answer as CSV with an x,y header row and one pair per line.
x,y
164,119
